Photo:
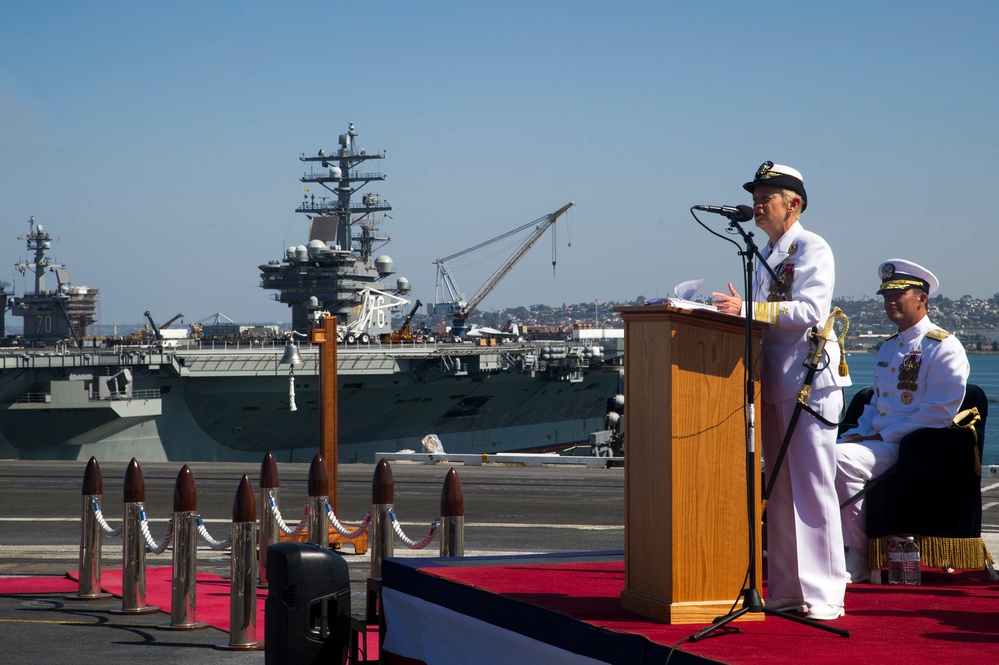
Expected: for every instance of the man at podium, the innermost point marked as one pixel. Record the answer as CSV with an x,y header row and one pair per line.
x,y
805,556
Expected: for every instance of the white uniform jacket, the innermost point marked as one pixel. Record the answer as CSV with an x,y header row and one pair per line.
x,y
919,381
804,263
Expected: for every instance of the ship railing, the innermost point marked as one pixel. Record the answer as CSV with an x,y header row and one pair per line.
x,y
324,174
33,398
277,346
56,360
332,205
125,355
102,358
150,393
46,398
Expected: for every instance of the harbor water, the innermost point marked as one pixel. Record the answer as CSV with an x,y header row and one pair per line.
x,y
984,373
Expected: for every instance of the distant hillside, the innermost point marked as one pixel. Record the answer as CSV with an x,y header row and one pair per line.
x,y
976,322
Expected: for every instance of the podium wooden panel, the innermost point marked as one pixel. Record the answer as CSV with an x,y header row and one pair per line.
x,y
686,512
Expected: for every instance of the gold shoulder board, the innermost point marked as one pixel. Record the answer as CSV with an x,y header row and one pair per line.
x,y
891,337
938,335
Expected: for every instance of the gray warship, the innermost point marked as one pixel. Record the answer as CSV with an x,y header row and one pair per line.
x,y
214,394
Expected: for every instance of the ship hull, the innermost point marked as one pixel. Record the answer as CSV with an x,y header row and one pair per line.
x,y
235,406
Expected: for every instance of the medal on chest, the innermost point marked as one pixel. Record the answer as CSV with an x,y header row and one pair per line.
x,y
908,372
780,288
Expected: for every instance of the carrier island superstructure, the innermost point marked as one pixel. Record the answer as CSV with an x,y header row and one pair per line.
x,y
70,396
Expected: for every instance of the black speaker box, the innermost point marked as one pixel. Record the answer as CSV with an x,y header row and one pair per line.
x,y
307,612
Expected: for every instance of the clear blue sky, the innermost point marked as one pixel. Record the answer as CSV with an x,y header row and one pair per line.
x,y
160,141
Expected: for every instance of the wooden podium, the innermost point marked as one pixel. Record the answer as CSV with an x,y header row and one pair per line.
x,y
686,524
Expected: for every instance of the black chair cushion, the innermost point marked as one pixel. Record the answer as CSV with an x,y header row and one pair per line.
x,y
935,488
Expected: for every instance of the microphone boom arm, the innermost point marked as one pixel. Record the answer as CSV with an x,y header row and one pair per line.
x,y
751,247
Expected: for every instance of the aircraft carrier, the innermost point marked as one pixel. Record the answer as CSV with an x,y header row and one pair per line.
x,y
218,393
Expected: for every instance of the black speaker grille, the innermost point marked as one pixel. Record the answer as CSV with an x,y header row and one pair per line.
x,y
289,595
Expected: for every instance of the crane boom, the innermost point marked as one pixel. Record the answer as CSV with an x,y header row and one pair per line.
x,y
405,331
156,329
501,272
409,317
456,305
167,324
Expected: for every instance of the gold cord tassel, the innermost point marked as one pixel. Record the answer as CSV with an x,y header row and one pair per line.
x,y
827,333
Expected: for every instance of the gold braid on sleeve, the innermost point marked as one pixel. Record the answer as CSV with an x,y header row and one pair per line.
x,y
769,312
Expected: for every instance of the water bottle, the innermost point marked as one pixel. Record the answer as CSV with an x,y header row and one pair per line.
x,y
910,554
896,563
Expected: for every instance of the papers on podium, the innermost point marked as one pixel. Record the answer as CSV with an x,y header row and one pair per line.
x,y
684,297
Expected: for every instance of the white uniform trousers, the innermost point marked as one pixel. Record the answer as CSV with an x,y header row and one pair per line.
x,y
805,556
858,463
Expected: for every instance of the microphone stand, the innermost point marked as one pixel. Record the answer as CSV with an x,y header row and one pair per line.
x,y
752,602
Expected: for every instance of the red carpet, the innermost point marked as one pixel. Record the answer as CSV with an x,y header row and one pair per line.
x,y
950,618
212,605
212,602
37,585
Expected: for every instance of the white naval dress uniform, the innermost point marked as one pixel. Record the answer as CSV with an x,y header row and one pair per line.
x,y
930,398
805,556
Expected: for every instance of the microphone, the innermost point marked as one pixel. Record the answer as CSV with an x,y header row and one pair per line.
x,y
736,214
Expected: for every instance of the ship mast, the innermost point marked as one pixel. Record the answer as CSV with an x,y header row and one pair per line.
x,y
342,179
336,273
38,241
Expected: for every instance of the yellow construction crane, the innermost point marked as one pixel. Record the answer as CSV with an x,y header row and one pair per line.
x,y
405,332
157,335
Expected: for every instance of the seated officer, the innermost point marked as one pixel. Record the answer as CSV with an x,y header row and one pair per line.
x,y
919,382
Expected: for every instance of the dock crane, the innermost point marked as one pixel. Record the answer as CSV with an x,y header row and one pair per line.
x,y
157,335
405,331
455,305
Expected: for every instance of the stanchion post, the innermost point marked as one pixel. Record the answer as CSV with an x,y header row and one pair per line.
x,y
90,536
319,488
381,539
243,592
269,534
185,555
133,553
452,516
382,500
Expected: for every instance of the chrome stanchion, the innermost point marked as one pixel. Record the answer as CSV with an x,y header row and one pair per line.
x,y
319,496
452,516
269,532
185,555
382,536
133,555
243,592
90,536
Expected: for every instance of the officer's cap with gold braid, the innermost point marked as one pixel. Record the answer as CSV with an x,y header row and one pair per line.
x,y
778,175
902,274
